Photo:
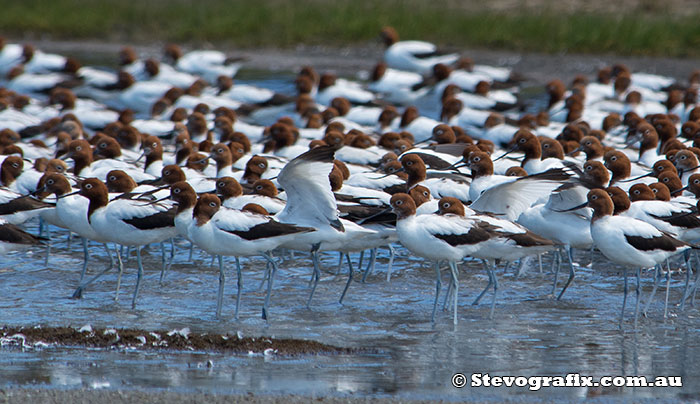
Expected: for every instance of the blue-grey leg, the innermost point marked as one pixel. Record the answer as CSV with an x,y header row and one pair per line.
x,y
48,243
492,272
121,272
222,282
455,281
638,292
370,264
448,293
362,256
189,257
557,258
266,304
163,266
239,284
86,255
657,278
693,289
79,290
340,262
686,290
488,285
438,285
347,284
572,273
624,299
392,254
313,274
266,276
69,239
539,262
317,273
109,255
139,276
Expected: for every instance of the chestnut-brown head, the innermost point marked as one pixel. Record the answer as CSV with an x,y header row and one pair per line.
x,y
183,193
450,205
601,203
206,207
403,205
120,181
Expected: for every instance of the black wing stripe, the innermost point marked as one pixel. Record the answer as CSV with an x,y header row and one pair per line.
x,y
10,233
473,236
688,220
156,221
664,242
529,239
22,204
269,229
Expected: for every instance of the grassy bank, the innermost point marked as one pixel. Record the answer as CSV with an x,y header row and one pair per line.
x,y
642,30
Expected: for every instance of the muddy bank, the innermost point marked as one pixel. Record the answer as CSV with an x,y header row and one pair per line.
x,y
172,340
22,396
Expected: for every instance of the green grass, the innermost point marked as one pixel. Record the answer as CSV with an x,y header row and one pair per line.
x,y
641,31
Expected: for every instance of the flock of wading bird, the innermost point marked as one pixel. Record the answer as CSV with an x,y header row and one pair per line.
x,y
172,147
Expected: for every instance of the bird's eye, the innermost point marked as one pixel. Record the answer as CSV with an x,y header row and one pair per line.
x,y
655,190
240,151
88,186
589,168
682,157
220,150
79,148
523,140
588,143
446,205
176,190
154,145
112,178
595,197
261,165
50,182
696,182
636,192
15,165
426,194
546,146
392,170
666,179
259,187
212,204
613,158
409,163
477,159
103,145
399,202
220,185
166,172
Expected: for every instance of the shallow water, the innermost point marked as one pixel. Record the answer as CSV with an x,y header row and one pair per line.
x,y
532,334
